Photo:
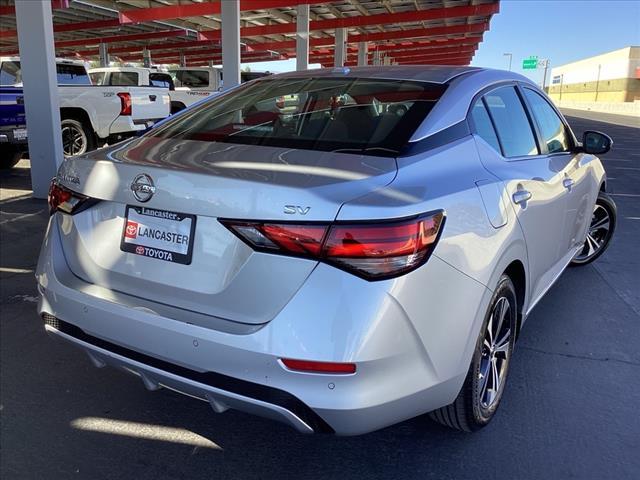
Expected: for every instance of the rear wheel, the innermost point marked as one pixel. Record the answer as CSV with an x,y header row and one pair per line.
x,y
76,137
601,228
477,402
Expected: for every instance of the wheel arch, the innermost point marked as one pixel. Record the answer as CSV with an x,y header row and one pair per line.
x,y
77,114
516,272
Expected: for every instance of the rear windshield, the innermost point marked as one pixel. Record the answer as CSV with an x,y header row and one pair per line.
x,y
369,116
68,74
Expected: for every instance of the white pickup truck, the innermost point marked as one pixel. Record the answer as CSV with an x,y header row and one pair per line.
x,y
93,115
186,85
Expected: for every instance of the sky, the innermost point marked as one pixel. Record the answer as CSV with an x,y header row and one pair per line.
x,y
560,30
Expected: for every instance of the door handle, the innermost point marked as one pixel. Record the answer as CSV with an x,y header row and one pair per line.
x,y
152,98
568,183
521,196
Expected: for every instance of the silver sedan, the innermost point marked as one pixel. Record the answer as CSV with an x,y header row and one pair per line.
x,y
338,249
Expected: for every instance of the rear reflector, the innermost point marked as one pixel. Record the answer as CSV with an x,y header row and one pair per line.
x,y
319,367
371,250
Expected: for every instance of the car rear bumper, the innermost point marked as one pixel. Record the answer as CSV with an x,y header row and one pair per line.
x,y
406,366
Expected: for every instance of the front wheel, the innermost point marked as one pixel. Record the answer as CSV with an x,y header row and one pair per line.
x,y
601,228
477,402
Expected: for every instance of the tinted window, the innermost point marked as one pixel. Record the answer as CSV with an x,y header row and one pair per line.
x,y
551,127
328,114
160,80
10,73
190,78
484,127
124,79
511,122
72,75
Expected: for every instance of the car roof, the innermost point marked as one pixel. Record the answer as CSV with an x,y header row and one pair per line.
x,y
424,73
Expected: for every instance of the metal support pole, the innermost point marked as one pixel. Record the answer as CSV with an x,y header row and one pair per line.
x,y
340,48
302,37
363,52
183,60
230,16
104,55
376,57
598,82
544,75
42,108
146,58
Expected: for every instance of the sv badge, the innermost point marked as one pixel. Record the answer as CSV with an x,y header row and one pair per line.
x,y
293,209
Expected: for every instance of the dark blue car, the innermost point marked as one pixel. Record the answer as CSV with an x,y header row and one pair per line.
x,y
13,126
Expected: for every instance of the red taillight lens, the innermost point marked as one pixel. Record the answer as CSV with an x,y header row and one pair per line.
x,y
370,250
125,103
63,199
319,367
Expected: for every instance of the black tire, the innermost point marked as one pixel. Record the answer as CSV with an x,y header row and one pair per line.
x,y
475,406
77,137
9,157
177,107
600,233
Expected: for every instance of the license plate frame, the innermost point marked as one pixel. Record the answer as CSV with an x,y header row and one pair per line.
x,y
130,243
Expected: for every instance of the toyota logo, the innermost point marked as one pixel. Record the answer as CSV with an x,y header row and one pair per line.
x,y
143,188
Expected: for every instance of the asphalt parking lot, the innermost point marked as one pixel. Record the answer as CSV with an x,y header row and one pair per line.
x,y
570,409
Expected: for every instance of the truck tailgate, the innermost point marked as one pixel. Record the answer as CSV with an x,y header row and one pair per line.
x,y
149,103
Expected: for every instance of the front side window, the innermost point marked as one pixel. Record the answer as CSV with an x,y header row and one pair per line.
x,y
484,127
370,116
511,122
124,79
190,78
551,127
97,78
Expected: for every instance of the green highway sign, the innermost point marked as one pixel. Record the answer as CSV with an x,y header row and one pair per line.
x,y
530,63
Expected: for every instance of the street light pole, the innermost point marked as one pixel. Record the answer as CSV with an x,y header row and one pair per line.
x,y
510,55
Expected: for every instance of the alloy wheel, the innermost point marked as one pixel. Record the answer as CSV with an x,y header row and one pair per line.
x,y
74,139
495,353
597,234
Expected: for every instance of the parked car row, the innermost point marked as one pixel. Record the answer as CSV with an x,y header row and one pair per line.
x,y
103,105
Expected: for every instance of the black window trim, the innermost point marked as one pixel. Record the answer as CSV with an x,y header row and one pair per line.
x,y
532,124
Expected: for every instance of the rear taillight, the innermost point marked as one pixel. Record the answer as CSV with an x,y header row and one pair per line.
x,y
125,103
62,199
371,250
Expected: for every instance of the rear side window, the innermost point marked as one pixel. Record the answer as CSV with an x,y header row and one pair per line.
x,y
484,127
97,78
551,127
351,115
124,79
511,122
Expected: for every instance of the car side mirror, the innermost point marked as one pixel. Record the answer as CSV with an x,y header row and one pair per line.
x,y
596,143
